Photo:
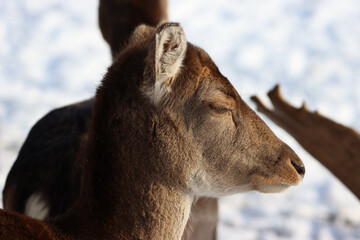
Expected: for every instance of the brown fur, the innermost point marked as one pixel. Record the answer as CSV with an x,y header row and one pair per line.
x,y
119,18
16,226
143,162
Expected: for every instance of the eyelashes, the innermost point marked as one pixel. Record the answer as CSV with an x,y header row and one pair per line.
x,y
219,109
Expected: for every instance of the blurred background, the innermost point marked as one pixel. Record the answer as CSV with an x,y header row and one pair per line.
x,y
52,54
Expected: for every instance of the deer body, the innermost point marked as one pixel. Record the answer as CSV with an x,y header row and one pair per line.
x,y
50,150
166,126
45,172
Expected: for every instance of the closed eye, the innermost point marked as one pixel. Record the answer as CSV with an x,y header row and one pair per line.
x,y
220,109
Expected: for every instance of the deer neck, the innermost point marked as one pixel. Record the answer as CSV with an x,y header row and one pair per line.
x,y
147,211
123,197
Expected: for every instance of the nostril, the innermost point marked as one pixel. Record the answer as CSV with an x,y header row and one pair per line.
x,y
299,168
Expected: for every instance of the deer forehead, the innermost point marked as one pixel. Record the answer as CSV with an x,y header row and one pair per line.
x,y
201,76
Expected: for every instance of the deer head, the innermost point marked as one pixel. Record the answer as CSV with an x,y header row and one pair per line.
x,y
193,127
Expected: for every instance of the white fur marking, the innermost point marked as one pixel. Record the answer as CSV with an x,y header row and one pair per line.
x,y
204,185
36,207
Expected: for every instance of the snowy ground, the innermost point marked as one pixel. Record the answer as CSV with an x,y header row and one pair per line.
x,y
52,53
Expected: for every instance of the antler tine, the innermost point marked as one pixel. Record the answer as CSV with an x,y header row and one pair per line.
x,y
304,107
274,114
280,103
260,106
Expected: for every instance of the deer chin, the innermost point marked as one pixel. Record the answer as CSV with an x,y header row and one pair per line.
x,y
275,184
274,188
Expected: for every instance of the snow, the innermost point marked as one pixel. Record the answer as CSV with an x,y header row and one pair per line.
x,y
52,54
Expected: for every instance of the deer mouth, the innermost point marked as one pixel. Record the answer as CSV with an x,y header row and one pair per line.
x,y
276,183
289,174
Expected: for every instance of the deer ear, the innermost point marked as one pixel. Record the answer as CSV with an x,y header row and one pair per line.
x,y
166,53
141,34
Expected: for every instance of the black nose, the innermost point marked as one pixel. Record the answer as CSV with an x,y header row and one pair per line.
x,y
299,168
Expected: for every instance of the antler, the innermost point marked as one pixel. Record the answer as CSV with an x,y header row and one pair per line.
x,y
337,147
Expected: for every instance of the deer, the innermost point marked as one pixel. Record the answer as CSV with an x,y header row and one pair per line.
x,y
166,126
335,146
43,182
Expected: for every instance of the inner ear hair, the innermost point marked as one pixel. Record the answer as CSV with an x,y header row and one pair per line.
x,y
166,54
